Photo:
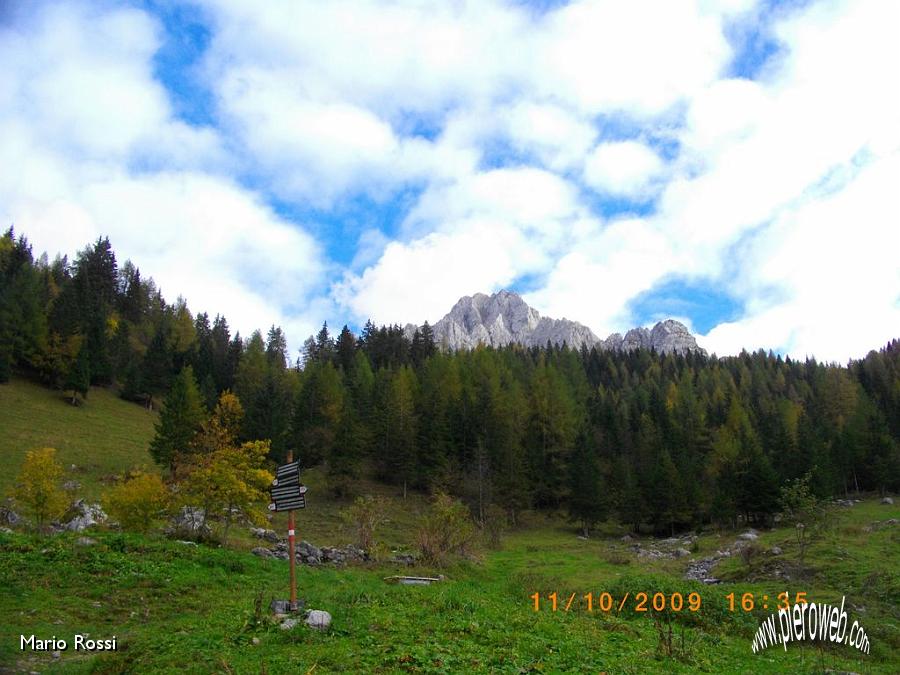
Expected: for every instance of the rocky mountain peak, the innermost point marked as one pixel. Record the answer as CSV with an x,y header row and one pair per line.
x,y
505,318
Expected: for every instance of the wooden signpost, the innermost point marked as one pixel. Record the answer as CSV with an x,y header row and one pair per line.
x,y
289,494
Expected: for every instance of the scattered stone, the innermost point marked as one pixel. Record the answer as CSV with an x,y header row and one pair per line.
x,y
263,552
186,543
85,541
6,530
189,523
71,485
776,550
318,618
626,538
887,501
56,654
582,537
255,642
280,607
681,553
749,535
844,502
263,533
403,559
9,517
84,515
289,623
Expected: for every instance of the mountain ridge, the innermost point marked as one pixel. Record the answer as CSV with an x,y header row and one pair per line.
x,y
504,318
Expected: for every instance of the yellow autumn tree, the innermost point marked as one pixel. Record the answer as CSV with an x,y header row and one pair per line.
x,y
37,487
230,481
222,428
138,502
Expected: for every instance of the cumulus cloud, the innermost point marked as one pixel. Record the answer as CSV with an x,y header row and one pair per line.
x,y
626,168
98,151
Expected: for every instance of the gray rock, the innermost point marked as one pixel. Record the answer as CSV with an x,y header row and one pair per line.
x,y
888,501
289,624
403,559
85,541
681,553
9,517
71,485
6,530
626,538
749,536
190,522
263,533
505,318
83,515
307,550
318,618
255,641
262,552
776,550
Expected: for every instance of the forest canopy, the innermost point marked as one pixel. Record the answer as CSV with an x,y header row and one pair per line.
x,y
660,441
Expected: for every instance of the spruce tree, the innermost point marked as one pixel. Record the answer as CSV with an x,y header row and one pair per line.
x,y
179,421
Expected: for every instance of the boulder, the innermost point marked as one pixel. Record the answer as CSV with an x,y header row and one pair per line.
x,y
263,533
680,553
189,523
262,552
750,535
888,501
776,550
84,515
318,619
307,550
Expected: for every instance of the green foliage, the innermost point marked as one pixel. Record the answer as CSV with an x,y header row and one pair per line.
x,y
365,515
179,421
138,502
445,529
37,487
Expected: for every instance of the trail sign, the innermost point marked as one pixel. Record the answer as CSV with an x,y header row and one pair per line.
x,y
287,492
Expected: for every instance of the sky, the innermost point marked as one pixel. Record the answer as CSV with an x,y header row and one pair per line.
x,y
733,164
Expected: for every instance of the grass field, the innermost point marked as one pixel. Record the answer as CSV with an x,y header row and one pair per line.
x,y
102,437
202,609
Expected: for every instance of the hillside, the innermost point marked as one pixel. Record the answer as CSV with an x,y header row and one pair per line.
x,y
103,436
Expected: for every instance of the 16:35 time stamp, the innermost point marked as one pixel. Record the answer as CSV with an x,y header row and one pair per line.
x,y
656,601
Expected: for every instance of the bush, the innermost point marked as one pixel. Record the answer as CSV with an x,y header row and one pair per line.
x,y
365,515
137,502
38,486
445,529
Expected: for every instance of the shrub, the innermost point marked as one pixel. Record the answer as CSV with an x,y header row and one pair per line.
x,y
446,528
137,502
38,486
365,515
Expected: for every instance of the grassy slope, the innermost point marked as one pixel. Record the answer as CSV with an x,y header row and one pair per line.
x,y
104,436
192,609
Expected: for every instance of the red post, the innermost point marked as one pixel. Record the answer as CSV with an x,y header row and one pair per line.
x,y
290,458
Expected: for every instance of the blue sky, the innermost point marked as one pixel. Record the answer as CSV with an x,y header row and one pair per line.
x,y
725,163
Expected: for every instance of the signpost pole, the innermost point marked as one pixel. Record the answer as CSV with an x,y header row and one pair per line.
x,y
290,458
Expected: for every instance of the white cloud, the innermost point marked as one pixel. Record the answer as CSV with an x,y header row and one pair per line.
x,y
97,151
626,168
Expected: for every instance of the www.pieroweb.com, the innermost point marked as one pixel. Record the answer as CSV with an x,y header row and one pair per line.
x,y
810,621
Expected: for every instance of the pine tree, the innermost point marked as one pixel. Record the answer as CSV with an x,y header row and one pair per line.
x,y
179,421
78,380
345,349
587,501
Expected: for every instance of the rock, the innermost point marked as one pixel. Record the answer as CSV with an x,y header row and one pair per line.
x,y
262,552
263,533
776,550
749,536
6,530
888,501
255,642
85,541
56,654
9,517
307,550
71,485
318,618
626,538
84,515
189,523
681,553
280,607
289,623
186,543
403,559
